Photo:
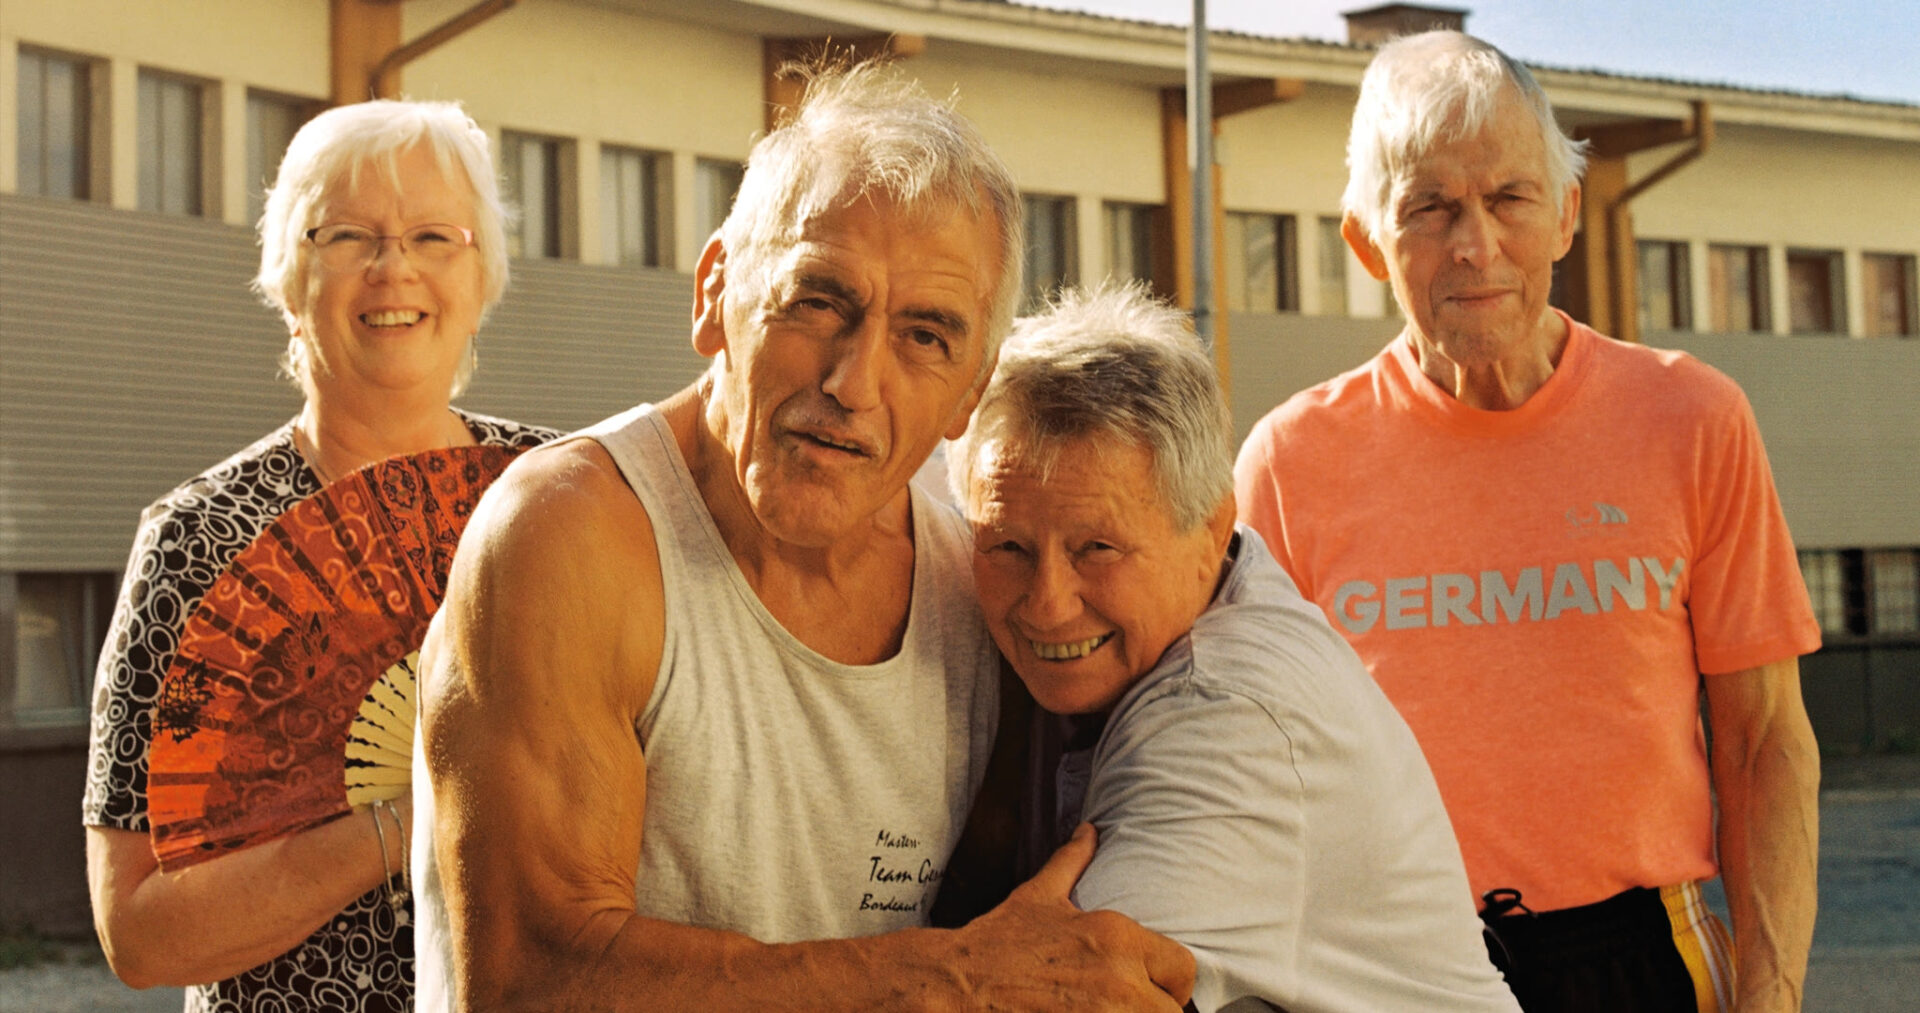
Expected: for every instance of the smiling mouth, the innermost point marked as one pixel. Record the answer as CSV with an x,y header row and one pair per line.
x,y
1070,650
392,318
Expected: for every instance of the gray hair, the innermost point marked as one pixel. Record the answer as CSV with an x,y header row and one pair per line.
x,y
332,150
864,129
1432,87
1117,367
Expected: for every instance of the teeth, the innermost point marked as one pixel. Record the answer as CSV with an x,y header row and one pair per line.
x,y
1068,651
837,445
392,318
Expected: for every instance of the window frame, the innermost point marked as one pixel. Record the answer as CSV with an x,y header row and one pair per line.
x,y
1901,267
154,181
558,238
1064,229
90,139
654,198
1677,280
1759,296
1845,588
98,590
1234,261
261,174
1835,270
710,209
1138,224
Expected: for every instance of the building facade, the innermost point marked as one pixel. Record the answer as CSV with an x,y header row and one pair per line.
x,y
135,139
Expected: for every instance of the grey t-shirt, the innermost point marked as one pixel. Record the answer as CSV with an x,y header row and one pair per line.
x,y
1260,800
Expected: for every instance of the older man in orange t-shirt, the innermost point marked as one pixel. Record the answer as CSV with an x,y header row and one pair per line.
x,y
1543,543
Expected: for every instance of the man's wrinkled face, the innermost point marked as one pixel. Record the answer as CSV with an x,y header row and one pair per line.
x,y
1084,578
1471,235
866,350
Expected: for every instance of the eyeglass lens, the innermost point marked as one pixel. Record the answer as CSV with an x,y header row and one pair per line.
x,y
352,247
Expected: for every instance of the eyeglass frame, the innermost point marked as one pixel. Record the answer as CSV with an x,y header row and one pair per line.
x,y
380,243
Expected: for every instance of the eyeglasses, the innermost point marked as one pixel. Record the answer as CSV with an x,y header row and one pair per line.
x,y
348,248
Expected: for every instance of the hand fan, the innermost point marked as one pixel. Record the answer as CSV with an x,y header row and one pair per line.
x,y
291,698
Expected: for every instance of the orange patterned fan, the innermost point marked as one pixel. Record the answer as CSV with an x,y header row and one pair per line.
x,y
291,698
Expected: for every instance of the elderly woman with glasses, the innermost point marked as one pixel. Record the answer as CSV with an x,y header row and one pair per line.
x,y
1256,796
383,248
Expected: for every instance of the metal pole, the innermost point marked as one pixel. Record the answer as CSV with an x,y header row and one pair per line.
x,y
1200,166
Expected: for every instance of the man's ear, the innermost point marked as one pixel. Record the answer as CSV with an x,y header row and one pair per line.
x,y
1220,525
1363,246
709,283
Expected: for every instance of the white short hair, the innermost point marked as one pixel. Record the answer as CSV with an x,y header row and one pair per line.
x,y
1115,367
865,129
1437,86
331,151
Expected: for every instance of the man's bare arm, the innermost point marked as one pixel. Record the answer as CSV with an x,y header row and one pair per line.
x,y
1766,775
536,676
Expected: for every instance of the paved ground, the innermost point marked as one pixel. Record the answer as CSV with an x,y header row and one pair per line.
x,y
1866,951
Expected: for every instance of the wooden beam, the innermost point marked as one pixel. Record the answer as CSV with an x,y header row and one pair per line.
x,y
1618,140
784,90
1242,96
385,77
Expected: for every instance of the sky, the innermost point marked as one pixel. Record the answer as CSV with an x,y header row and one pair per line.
x,y
1864,48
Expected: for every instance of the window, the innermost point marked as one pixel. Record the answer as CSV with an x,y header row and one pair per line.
x,y
1887,283
715,183
1864,592
632,192
1666,287
1333,269
1260,258
171,144
271,123
1130,241
59,621
532,167
1737,289
1053,253
1815,289
55,127
1893,582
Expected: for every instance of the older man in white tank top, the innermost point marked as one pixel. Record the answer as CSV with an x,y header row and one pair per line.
x,y
709,691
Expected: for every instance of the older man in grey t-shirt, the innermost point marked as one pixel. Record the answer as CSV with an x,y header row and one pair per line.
x,y
1257,797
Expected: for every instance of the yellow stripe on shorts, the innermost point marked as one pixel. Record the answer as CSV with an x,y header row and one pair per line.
x,y
1704,945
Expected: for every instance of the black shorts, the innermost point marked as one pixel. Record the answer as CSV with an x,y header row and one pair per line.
x,y
1641,951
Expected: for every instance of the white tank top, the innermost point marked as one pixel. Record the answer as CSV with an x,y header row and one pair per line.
x,y
789,797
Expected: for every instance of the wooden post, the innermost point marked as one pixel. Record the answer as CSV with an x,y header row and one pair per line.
x,y
1173,268
363,33
1594,302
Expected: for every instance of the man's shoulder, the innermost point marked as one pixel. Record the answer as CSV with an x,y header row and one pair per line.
x,y
570,500
1671,372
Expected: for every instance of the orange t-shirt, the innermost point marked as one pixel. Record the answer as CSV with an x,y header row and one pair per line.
x,y
1539,591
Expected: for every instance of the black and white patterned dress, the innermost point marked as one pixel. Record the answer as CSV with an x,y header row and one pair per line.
x,y
362,960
